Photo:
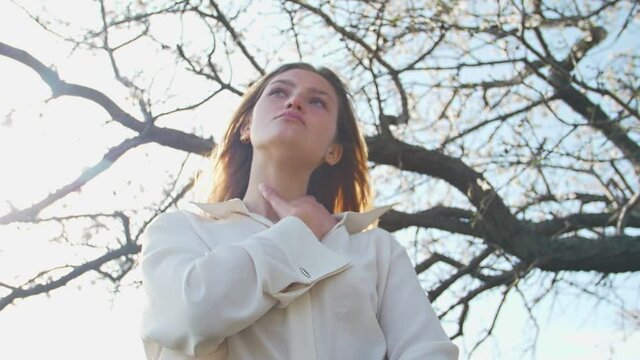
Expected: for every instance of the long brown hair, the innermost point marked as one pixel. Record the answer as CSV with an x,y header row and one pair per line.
x,y
341,187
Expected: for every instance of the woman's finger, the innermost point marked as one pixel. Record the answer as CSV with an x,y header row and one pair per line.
x,y
279,205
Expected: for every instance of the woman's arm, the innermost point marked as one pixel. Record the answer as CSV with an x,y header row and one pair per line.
x,y
410,325
199,296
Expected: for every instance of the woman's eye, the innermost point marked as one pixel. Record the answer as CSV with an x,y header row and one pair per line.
x,y
277,92
318,102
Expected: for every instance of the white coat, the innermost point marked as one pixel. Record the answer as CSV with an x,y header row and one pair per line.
x,y
224,283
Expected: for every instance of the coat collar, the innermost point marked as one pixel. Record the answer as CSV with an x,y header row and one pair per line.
x,y
354,222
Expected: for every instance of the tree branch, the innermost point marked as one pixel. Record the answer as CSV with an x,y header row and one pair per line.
x,y
19,293
492,219
164,136
108,159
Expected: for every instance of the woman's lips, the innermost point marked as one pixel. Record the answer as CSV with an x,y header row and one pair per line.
x,y
292,115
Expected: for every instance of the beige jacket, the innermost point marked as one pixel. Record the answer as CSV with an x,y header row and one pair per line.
x,y
224,283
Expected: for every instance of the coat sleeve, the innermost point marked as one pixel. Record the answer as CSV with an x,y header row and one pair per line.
x,y
410,326
198,296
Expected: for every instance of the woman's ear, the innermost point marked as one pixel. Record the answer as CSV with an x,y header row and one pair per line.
x,y
245,133
245,130
334,154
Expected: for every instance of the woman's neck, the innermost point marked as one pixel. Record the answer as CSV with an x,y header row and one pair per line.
x,y
288,181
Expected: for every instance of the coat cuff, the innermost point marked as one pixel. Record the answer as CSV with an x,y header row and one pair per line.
x,y
289,259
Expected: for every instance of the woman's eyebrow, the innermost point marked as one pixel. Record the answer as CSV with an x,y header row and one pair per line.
x,y
283,81
312,90
320,92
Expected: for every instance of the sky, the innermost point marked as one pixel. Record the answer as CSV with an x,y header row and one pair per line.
x,y
43,146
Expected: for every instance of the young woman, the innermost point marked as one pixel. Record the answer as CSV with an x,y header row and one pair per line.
x,y
278,265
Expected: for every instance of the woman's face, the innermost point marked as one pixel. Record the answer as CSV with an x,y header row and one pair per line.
x,y
297,111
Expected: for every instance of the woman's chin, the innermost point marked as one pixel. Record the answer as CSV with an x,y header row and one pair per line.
x,y
286,136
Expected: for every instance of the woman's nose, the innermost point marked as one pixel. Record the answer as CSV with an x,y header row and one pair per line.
x,y
294,101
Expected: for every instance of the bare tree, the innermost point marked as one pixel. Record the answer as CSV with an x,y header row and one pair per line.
x,y
508,131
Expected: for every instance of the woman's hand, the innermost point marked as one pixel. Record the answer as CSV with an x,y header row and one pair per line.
x,y
306,208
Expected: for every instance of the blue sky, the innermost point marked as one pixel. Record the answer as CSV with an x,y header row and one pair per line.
x,y
49,144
